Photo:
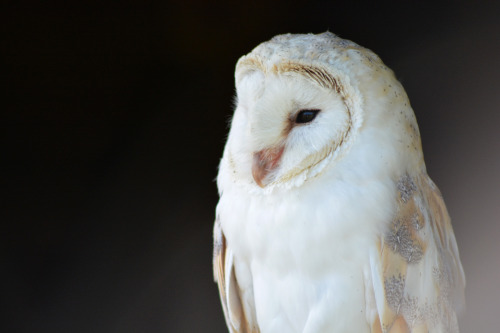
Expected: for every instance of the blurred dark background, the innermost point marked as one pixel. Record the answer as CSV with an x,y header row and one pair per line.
x,y
115,118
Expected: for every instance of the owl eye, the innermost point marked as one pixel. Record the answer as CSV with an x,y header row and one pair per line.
x,y
306,116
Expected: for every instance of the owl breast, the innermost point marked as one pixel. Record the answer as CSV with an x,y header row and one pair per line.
x,y
305,258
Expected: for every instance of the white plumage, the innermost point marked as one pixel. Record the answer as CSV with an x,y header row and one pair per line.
x,y
327,220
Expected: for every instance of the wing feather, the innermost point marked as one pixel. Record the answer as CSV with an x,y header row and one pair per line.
x,y
418,281
229,290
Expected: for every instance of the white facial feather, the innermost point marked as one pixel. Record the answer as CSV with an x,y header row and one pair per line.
x,y
327,219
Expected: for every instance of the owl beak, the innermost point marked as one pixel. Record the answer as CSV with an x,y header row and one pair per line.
x,y
264,162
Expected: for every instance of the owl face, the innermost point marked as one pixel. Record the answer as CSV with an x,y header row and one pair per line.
x,y
285,125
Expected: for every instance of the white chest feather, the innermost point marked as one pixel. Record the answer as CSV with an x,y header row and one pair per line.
x,y
304,253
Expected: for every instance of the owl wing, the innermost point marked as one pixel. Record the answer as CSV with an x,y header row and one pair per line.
x,y
418,281
238,318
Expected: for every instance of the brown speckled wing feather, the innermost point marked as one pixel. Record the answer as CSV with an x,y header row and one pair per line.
x,y
229,290
417,277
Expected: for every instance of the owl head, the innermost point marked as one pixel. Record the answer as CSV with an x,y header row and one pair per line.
x,y
310,104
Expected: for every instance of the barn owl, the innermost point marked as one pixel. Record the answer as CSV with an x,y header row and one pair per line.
x,y
327,220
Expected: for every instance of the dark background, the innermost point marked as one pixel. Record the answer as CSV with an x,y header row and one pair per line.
x,y
115,118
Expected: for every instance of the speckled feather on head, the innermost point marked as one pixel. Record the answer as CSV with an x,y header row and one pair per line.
x,y
332,224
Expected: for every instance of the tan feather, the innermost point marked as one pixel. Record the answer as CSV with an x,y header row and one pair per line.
x,y
419,271
229,290
399,326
